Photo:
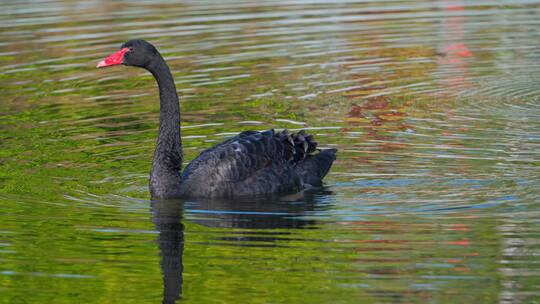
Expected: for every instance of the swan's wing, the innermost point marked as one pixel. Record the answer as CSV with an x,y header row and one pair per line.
x,y
239,157
250,163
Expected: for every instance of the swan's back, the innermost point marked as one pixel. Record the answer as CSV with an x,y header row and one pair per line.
x,y
257,163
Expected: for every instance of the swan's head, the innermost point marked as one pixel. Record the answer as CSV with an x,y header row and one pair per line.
x,y
138,52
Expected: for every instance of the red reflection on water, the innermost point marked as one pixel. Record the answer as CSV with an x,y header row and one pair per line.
x,y
458,50
464,243
455,7
454,50
458,227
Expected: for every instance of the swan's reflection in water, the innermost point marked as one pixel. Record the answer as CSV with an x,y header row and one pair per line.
x,y
167,216
260,213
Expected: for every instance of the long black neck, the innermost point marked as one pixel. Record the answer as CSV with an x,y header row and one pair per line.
x,y
165,177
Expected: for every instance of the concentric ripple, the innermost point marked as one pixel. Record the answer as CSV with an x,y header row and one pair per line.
x,y
433,106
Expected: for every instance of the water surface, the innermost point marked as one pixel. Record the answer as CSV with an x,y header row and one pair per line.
x,y
433,106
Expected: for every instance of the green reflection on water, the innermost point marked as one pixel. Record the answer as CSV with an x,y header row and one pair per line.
x,y
433,197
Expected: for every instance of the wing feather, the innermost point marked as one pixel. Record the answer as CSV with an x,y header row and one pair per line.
x,y
250,163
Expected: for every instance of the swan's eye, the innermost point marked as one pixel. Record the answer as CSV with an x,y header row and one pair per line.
x,y
130,49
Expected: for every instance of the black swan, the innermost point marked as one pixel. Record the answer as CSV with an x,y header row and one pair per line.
x,y
250,164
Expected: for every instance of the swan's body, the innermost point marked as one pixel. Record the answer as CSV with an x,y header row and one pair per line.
x,y
251,163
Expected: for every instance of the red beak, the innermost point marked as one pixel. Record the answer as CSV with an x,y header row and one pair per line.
x,y
114,59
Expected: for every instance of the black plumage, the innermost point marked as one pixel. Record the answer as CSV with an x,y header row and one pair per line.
x,y
255,163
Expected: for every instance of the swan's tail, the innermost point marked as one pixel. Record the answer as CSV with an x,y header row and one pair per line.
x,y
315,167
310,167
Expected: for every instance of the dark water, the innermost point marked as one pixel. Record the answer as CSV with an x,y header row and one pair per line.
x,y
433,106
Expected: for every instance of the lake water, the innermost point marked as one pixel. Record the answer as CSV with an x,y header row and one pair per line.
x,y
433,105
